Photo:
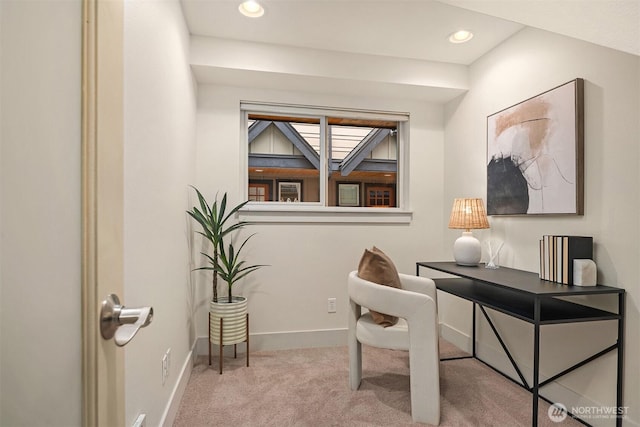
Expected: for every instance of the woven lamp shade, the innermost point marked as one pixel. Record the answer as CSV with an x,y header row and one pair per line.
x,y
468,214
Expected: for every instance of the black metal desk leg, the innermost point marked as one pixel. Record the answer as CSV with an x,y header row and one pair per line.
x,y
473,333
619,401
536,361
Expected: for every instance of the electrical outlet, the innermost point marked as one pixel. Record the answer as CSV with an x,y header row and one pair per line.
x,y
141,421
331,305
165,368
166,365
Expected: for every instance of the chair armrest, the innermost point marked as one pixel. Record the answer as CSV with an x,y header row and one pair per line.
x,y
423,285
385,299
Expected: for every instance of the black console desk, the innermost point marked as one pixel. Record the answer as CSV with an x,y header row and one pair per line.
x,y
525,296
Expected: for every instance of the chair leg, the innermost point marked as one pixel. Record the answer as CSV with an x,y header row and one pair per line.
x,y
355,348
355,364
209,339
424,377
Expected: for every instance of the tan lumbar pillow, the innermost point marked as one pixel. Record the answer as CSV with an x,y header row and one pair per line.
x,y
375,266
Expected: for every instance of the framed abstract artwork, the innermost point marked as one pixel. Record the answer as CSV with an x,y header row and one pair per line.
x,y
535,154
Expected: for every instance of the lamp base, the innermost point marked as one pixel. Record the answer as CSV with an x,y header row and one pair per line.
x,y
467,249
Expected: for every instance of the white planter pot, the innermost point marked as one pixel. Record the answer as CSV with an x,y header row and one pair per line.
x,y
234,320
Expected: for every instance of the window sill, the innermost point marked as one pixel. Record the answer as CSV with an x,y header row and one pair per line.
x,y
285,212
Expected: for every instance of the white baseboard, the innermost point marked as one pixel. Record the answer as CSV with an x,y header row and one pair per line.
x,y
171,410
455,337
284,341
299,339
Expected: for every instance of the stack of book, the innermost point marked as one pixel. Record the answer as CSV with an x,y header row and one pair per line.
x,y
557,254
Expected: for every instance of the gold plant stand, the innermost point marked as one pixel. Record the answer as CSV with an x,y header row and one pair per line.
x,y
221,345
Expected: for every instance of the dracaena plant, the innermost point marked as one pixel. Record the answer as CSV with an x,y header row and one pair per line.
x,y
229,266
216,223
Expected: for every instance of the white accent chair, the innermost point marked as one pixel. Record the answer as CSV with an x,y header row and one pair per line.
x,y
416,331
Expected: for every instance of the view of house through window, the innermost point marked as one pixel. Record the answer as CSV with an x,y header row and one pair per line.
x,y
286,154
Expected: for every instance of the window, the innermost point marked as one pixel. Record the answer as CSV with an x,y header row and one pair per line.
x,y
259,191
302,157
380,196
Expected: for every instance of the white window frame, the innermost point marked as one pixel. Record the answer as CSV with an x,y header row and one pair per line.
x,y
318,212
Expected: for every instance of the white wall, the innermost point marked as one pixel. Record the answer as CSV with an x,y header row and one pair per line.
x,y
261,65
159,150
529,63
40,356
310,262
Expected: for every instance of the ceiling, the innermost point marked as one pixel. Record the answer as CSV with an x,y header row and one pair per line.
x,y
415,29
610,23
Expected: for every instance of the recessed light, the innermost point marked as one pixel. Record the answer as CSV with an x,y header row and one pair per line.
x,y
461,36
251,8
258,170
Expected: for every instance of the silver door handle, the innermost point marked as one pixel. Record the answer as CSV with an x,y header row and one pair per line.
x,y
121,323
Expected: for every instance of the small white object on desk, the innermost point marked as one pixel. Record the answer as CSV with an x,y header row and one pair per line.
x,y
584,272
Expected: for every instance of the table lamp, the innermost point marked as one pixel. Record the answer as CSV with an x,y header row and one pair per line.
x,y
468,214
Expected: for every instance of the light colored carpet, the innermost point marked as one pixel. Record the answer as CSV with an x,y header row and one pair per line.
x,y
310,387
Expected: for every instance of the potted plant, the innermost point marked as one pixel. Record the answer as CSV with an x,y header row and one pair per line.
x,y
213,221
217,226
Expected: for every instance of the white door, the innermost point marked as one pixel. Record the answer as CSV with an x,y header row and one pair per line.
x,y
102,186
41,363
40,221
